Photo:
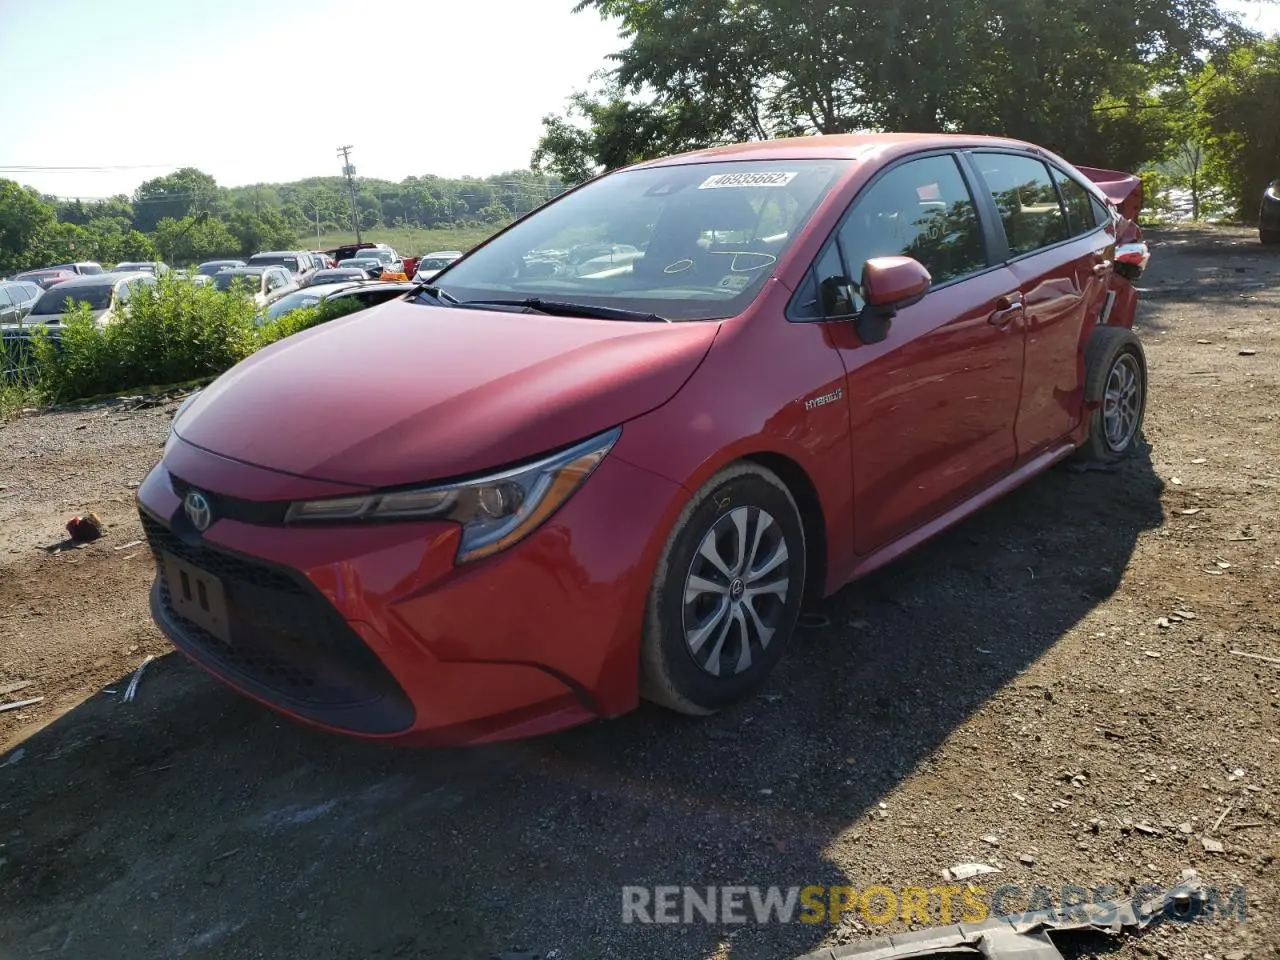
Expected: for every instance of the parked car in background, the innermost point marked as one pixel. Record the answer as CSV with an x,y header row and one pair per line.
x,y
390,260
429,264
339,275
46,277
153,267
297,262
621,459
17,297
1269,214
211,267
87,268
371,266
322,259
266,284
366,293
106,295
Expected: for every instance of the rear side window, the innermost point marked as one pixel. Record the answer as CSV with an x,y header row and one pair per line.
x,y
1027,201
1078,203
4,297
920,209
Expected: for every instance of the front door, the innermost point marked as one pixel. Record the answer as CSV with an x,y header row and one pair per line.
x,y
933,406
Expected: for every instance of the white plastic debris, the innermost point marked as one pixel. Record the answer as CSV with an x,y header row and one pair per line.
x,y
132,689
967,871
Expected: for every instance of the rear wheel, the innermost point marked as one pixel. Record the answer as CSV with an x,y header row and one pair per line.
x,y
726,594
1116,378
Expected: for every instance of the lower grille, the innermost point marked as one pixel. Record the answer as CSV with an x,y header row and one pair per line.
x,y
289,645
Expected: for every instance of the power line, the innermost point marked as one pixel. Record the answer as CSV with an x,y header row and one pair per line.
x,y
36,168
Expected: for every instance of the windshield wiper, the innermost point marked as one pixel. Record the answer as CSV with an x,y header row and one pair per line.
x,y
435,293
565,308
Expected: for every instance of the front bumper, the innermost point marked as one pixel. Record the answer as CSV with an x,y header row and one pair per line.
x,y
371,630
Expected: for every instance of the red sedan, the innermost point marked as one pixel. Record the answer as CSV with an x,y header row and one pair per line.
x,y
610,452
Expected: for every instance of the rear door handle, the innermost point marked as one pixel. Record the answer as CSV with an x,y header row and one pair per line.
x,y
1008,309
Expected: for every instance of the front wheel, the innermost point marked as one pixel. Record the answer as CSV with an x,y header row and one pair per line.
x,y
726,593
1115,378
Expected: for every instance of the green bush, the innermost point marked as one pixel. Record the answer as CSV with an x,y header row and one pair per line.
x,y
174,332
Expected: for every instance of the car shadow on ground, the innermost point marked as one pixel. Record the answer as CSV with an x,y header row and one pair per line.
x,y
195,823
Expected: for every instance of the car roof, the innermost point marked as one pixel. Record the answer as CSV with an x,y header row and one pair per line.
x,y
841,146
442,253
277,253
98,279
242,271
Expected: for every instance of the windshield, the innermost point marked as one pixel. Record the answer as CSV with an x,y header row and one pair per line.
x,y
213,267
690,242
294,301
382,256
362,262
252,282
268,260
134,267
51,302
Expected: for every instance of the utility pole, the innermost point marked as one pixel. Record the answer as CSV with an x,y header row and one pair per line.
x,y
349,172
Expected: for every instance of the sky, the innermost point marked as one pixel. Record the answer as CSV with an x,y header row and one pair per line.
x,y
258,91
252,91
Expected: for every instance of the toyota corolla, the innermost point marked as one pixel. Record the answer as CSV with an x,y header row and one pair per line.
x,y
549,484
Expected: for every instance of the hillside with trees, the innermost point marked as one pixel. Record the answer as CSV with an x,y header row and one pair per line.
x,y
186,216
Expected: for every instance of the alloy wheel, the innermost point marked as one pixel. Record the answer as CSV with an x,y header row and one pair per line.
x,y
735,591
1122,402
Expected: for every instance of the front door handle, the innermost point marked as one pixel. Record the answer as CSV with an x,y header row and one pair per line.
x,y
1008,309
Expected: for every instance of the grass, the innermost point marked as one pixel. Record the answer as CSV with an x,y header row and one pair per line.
x,y
407,242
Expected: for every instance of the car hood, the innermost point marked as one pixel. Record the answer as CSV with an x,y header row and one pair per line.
x,y
408,393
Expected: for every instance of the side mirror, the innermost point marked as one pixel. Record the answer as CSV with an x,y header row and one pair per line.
x,y
889,284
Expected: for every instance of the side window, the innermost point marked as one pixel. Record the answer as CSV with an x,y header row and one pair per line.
x,y
808,302
1101,212
4,298
920,209
1027,201
1079,204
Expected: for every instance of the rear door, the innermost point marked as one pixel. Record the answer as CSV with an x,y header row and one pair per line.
x,y
1059,256
8,310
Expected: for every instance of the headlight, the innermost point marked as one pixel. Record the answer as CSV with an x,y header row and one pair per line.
x,y
1273,192
495,511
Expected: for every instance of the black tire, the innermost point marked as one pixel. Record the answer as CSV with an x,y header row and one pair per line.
x,y
671,672
1108,348
1269,236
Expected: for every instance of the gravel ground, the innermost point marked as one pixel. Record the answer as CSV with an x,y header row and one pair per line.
x,y
1007,694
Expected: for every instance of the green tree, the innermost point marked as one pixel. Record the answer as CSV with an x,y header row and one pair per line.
x,y
1239,109
24,220
173,197
194,238
700,72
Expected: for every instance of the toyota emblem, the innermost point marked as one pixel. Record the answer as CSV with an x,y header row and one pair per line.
x,y
198,510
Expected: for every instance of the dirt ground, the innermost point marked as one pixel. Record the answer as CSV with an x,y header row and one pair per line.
x,y
1005,694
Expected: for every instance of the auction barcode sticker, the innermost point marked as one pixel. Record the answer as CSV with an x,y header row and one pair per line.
x,y
777,178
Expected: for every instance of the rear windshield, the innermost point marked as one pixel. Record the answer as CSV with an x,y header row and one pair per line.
x,y
275,261
53,302
435,263
127,267
216,266
250,281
